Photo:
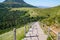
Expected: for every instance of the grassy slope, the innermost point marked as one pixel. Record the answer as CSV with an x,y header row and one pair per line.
x,y
34,12
11,20
53,15
20,31
46,15
9,35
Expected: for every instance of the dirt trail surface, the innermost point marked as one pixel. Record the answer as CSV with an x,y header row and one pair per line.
x,y
35,33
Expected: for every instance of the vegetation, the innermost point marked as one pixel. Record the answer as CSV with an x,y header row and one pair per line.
x,y
49,38
16,14
16,17
19,34
10,18
54,16
15,4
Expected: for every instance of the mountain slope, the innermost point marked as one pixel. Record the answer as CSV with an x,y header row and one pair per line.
x,y
42,7
16,3
19,1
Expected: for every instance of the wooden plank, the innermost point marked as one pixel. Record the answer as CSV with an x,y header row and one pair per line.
x,y
54,31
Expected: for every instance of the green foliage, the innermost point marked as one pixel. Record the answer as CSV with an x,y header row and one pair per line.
x,y
19,34
10,18
16,17
49,38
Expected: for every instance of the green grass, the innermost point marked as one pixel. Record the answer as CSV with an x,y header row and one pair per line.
x,y
9,35
47,16
49,38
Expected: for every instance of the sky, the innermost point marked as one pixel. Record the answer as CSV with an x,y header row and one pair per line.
x,y
48,3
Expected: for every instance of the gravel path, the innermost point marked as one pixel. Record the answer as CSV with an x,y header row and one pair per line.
x,y
35,33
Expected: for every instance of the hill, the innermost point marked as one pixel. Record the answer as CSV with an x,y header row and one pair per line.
x,y
53,15
42,7
10,18
15,3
